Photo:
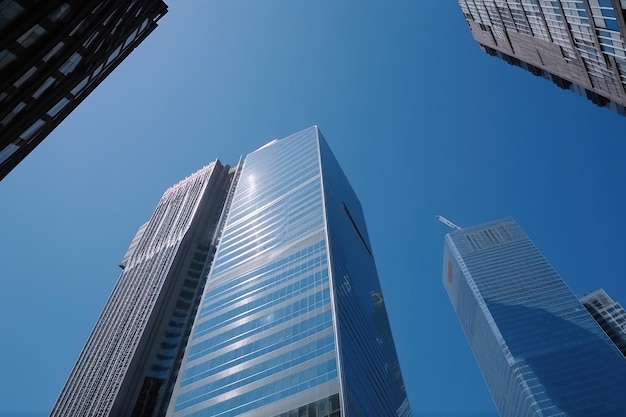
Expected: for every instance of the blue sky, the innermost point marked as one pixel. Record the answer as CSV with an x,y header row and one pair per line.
x,y
421,120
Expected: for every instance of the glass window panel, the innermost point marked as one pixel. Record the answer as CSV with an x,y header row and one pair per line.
x,y
6,57
57,107
44,87
31,36
79,86
15,111
8,151
9,9
114,54
130,38
71,63
54,51
25,77
60,13
34,128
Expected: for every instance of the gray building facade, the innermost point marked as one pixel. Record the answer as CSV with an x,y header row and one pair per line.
x,y
577,44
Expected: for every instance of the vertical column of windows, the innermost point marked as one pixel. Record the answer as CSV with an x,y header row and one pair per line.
x,y
506,15
473,10
519,17
557,26
608,34
535,19
586,41
465,9
497,23
485,18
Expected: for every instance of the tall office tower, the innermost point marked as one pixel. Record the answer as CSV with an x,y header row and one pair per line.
x,y
286,318
540,352
53,53
135,348
609,314
577,44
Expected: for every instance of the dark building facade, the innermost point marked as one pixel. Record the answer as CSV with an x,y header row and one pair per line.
x,y
53,53
251,292
579,45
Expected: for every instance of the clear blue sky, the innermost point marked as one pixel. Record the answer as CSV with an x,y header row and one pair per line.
x,y
421,120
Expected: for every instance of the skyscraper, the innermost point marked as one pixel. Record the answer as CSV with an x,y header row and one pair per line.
x,y
540,352
609,314
53,54
252,291
577,44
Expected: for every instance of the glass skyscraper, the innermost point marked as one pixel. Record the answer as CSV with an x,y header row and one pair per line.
x,y
260,299
540,351
577,44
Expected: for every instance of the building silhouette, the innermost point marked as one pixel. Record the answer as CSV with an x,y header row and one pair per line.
x,y
609,314
539,350
577,44
53,54
251,291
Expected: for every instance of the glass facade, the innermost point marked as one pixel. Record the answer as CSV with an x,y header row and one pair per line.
x,y
276,331
274,310
264,330
577,44
540,351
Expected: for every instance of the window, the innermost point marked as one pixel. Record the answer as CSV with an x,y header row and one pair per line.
x,y
79,86
34,128
114,54
53,51
58,107
31,36
6,57
9,9
71,63
130,38
8,151
15,111
44,87
60,13
25,77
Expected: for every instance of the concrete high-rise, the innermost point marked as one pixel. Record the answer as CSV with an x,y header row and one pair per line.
x,y
609,314
252,291
577,44
539,350
53,54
